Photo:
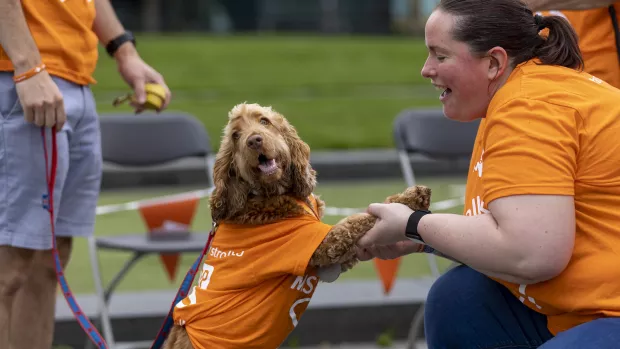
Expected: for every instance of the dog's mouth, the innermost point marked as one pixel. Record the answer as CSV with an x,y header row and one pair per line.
x,y
266,165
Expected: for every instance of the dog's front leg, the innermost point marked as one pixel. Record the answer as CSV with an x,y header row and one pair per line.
x,y
338,247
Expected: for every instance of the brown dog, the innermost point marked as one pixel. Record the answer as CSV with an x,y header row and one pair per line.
x,y
262,269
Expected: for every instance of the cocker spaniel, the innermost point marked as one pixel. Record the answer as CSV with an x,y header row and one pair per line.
x,y
270,245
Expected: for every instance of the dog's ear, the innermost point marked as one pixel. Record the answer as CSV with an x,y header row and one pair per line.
x,y
230,193
303,176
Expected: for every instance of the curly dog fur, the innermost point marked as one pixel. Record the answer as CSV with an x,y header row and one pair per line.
x,y
261,172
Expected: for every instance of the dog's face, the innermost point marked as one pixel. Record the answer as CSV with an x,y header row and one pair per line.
x,y
262,155
260,150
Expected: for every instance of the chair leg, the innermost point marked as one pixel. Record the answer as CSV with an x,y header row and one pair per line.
x,y
102,307
416,326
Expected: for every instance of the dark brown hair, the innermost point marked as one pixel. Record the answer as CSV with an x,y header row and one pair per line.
x,y
510,24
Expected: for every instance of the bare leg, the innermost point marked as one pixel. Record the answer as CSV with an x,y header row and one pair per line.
x,y
16,264
32,325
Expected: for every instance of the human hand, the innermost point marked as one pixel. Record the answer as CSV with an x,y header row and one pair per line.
x,y
391,251
42,101
137,73
390,225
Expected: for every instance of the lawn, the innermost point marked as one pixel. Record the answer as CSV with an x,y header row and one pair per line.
x,y
340,83
150,275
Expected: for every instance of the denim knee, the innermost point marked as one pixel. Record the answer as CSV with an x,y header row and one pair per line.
x,y
450,301
466,309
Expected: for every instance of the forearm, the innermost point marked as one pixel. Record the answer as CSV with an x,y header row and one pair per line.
x,y
479,243
546,5
107,27
15,37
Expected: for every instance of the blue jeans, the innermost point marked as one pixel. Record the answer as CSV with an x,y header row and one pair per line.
x,y
466,309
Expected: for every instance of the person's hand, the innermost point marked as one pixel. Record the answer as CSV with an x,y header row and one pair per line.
x,y
392,251
42,101
389,227
137,73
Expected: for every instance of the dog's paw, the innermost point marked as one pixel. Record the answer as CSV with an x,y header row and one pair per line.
x,y
329,273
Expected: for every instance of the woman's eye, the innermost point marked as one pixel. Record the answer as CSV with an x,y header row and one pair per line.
x,y
441,58
264,121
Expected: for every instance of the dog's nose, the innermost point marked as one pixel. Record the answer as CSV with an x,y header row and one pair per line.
x,y
255,141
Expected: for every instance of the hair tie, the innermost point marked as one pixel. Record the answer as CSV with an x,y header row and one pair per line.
x,y
538,20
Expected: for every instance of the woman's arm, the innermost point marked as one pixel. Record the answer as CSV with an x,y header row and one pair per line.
x,y
523,239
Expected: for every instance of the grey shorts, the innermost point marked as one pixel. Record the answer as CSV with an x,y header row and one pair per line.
x,y
23,220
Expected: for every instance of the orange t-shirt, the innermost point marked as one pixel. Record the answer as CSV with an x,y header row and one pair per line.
x,y
63,33
553,130
255,284
596,41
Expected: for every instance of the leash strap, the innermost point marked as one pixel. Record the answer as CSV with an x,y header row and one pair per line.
x,y
48,204
182,292
87,326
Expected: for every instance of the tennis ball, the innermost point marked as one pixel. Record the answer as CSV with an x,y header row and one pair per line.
x,y
155,96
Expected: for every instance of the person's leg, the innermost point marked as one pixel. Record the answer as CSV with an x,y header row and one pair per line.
x,y
24,223
78,177
34,303
602,333
16,263
466,309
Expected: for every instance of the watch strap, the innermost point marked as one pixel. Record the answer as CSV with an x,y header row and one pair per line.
x,y
115,43
411,230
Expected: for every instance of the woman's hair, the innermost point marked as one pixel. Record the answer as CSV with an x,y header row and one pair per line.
x,y
510,24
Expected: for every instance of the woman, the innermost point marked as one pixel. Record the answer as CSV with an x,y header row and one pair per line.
x,y
540,236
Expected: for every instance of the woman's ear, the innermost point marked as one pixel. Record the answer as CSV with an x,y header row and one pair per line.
x,y
498,63
230,193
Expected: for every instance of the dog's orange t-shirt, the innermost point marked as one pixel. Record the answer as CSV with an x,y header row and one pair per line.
x,y
553,130
596,40
255,284
62,31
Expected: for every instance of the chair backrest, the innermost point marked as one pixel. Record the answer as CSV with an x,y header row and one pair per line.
x,y
152,139
431,133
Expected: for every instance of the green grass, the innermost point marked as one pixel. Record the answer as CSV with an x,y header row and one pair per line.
x,y
150,275
323,85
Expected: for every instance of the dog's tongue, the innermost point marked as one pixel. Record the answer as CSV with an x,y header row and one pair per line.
x,y
268,166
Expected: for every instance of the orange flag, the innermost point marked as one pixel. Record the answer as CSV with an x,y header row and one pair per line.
x,y
387,271
173,215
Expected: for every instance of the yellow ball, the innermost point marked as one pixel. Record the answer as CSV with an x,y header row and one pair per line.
x,y
155,96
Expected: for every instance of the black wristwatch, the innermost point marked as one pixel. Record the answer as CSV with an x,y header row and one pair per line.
x,y
411,231
115,43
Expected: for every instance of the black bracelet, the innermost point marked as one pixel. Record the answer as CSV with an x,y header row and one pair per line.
x,y
112,46
411,231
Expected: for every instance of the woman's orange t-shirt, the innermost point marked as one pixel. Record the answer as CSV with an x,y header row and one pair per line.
x,y
62,30
254,286
553,130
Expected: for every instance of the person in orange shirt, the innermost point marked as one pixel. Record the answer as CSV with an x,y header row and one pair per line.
x,y
539,237
48,52
597,26
255,305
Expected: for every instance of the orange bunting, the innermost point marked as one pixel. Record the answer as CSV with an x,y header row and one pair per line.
x,y
387,272
169,216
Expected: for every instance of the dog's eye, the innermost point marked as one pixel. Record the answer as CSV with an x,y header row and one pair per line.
x,y
235,135
264,121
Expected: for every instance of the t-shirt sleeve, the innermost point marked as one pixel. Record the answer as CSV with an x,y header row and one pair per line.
x,y
530,147
293,247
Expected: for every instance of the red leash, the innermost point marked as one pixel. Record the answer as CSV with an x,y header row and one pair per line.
x,y
87,326
48,203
